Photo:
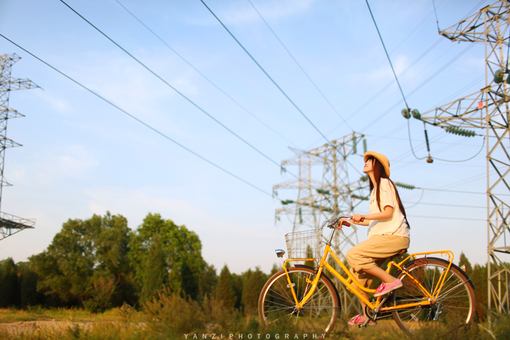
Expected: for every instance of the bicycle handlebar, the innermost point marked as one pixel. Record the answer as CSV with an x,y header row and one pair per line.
x,y
338,222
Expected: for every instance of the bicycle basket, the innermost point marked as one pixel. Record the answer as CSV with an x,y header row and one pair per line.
x,y
304,244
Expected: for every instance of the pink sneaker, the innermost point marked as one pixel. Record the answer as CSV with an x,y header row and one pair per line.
x,y
385,288
358,320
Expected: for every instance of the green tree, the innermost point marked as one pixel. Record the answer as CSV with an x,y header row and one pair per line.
x,y
155,275
113,282
463,261
67,266
29,296
181,250
225,289
479,278
478,275
86,260
189,282
9,284
238,281
111,240
208,281
253,283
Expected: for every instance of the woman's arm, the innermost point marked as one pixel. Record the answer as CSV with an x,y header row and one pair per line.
x,y
364,219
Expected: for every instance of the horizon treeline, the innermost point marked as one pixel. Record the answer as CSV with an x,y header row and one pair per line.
x,y
100,263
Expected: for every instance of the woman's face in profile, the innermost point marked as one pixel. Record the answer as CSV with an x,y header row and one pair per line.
x,y
369,165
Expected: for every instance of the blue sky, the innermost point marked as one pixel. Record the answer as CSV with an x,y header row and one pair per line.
x,y
82,156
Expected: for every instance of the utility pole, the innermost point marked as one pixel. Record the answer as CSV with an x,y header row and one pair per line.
x,y
9,224
487,109
336,194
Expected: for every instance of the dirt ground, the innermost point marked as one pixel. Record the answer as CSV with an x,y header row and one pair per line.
x,y
32,326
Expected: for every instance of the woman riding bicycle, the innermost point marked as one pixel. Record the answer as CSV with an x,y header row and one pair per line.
x,y
388,232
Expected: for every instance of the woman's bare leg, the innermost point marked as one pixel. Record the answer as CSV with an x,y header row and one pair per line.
x,y
380,273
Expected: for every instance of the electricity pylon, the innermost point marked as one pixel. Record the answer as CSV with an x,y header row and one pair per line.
x,y
9,224
487,109
336,194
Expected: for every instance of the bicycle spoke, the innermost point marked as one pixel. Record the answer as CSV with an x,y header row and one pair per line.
x,y
451,290
277,301
455,302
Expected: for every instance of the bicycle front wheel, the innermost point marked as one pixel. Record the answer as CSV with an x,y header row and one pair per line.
x,y
455,303
278,306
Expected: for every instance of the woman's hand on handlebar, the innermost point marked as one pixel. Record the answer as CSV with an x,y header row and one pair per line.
x,y
348,221
343,221
357,218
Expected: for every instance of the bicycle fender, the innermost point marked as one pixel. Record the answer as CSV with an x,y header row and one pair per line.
x,y
466,276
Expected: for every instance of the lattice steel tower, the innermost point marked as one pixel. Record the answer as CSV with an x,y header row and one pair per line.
x,y
9,224
335,194
487,109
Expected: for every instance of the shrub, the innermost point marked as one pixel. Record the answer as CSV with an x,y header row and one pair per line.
x,y
170,314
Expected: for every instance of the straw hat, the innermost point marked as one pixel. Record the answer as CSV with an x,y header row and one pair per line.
x,y
381,158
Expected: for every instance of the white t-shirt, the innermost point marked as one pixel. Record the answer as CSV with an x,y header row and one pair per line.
x,y
396,225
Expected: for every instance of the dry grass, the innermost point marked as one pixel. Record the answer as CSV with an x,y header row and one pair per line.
x,y
173,317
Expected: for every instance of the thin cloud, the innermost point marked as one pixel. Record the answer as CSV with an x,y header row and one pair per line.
x,y
75,162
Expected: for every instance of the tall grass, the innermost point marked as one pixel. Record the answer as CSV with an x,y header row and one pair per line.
x,y
171,316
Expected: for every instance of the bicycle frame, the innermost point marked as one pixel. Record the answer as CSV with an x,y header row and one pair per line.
x,y
429,298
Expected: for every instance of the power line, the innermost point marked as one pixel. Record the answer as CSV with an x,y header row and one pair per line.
x,y
417,88
206,78
411,32
404,72
450,62
467,180
395,49
452,161
460,192
137,119
435,140
450,218
173,88
299,65
387,55
463,181
453,205
407,153
434,45
264,71
463,90
467,15
385,88
442,159
424,126
461,160
437,20
441,69
398,128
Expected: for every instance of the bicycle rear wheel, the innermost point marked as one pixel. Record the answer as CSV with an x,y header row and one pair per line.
x,y
455,304
278,307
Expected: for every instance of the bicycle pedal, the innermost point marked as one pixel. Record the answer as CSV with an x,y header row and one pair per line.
x,y
367,323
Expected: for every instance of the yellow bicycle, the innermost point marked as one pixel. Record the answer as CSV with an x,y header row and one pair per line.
x,y
434,289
